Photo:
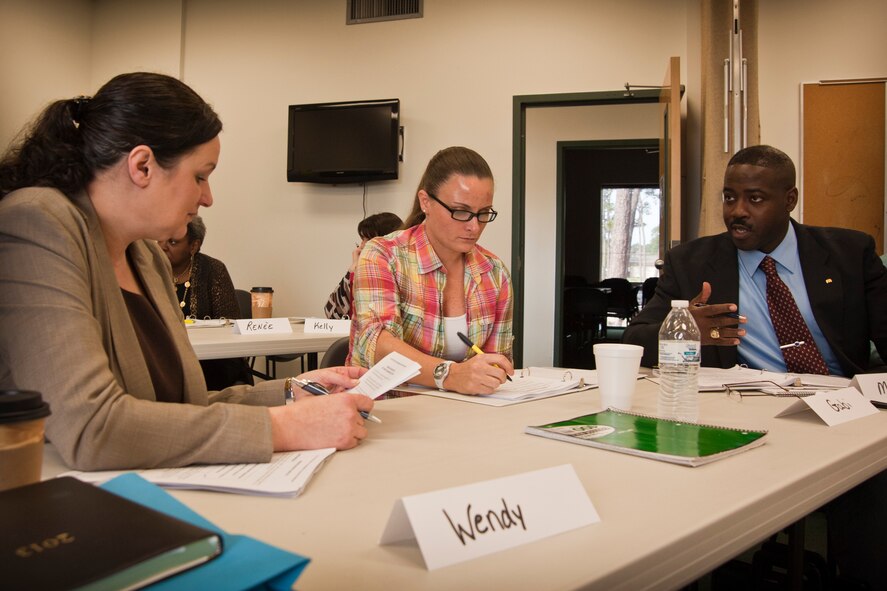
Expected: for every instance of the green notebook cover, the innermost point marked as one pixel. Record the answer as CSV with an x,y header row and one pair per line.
x,y
679,442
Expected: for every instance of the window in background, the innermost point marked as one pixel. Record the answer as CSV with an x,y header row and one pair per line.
x,y
629,232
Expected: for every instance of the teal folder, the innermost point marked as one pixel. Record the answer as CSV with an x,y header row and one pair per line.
x,y
679,442
245,563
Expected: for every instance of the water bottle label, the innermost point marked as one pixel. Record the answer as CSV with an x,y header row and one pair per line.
x,y
683,352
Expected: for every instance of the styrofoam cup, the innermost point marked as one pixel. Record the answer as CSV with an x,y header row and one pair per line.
x,y
617,366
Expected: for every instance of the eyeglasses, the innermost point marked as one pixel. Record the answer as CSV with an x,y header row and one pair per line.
x,y
740,390
463,215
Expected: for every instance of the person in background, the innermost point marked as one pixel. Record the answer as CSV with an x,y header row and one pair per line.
x,y
838,288
89,314
414,291
338,306
204,290
836,280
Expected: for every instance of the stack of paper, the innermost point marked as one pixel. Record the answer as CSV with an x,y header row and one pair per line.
x,y
286,475
528,387
713,379
525,385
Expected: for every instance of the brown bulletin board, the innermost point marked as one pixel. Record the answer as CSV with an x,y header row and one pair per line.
x,y
843,157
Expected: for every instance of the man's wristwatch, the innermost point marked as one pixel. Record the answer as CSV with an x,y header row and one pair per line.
x,y
440,374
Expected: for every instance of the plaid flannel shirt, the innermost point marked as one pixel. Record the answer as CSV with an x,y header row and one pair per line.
x,y
398,286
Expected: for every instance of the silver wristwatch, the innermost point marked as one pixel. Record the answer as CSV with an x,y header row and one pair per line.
x,y
440,374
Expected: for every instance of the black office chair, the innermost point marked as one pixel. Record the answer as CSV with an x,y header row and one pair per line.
x,y
648,289
336,354
622,299
244,302
585,315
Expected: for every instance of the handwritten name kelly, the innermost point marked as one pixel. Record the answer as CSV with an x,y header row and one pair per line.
x,y
480,523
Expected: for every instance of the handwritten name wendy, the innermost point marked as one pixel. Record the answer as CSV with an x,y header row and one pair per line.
x,y
482,523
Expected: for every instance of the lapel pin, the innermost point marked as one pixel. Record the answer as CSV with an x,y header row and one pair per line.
x,y
828,280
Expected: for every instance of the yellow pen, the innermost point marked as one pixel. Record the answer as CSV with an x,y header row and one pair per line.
x,y
477,350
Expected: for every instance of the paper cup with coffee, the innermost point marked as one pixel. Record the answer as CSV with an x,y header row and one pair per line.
x,y
22,414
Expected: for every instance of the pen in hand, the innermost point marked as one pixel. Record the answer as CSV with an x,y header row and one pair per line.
x,y
477,350
320,390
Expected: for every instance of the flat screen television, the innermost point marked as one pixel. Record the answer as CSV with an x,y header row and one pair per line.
x,y
345,142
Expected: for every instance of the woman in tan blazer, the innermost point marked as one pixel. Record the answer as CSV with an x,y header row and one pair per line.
x,y
88,315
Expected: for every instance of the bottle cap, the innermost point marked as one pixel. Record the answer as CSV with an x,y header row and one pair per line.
x,y
262,290
680,304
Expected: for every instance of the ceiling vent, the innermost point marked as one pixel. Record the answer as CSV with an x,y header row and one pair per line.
x,y
371,11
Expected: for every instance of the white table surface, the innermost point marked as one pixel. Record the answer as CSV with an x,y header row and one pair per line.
x,y
662,525
222,343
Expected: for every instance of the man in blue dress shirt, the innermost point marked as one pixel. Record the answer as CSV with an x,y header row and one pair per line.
x,y
839,286
838,282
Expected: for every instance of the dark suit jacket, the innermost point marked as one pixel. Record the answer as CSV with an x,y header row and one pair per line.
x,y
846,283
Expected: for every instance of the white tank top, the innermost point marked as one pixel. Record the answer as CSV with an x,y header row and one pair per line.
x,y
454,348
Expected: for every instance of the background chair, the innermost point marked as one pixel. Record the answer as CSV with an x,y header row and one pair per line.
x,y
648,289
336,354
244,302
622,301
585,321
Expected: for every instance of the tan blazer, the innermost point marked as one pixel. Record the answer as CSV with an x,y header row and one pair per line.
x,y
65,331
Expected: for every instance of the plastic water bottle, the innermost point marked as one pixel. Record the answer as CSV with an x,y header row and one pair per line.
x,y
679,356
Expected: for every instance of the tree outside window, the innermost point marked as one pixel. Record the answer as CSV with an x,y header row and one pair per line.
x,y
629,232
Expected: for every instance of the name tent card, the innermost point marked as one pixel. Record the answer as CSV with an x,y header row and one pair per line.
x,y
327,326
465,522
834,406
873,387
263,326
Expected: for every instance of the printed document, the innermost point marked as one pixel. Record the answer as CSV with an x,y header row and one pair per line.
x,y
286,475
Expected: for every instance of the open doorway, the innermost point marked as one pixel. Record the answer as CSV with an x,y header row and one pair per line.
x,y
540,121
609,212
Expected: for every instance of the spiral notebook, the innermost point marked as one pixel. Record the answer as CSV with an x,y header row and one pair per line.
x,y
668,440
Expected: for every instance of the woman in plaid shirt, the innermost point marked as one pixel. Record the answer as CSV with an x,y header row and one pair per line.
x,y
403,301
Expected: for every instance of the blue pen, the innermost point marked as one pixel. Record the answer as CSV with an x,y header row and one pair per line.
x,y
320,390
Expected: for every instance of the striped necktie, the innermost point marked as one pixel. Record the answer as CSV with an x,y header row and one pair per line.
x,y
790,326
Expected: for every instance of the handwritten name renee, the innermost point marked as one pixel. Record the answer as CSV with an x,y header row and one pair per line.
x,y
480,523
254,326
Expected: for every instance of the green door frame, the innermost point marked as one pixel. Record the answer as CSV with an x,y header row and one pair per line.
x,y
559,262
520,104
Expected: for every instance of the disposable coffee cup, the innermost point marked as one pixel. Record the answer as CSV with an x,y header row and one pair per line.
x,y
617,372
261,301
22,414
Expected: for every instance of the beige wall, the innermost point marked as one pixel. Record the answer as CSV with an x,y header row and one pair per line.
x,y
44,55
131,36
455,71
807,41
